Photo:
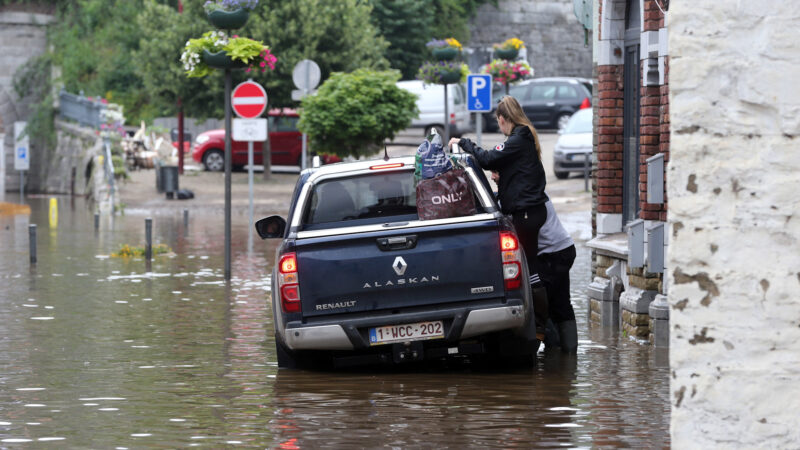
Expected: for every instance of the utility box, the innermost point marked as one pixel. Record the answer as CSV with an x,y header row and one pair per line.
x,y
655,248
655,179
636,243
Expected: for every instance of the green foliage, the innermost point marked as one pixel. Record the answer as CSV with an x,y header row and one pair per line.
x,y
164,33
33,81
354,113
128,50
336,34
406,24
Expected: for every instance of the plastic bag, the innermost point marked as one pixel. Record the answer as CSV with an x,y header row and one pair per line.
x,y
431,158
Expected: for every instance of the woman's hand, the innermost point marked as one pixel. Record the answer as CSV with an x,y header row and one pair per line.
x,y
453,141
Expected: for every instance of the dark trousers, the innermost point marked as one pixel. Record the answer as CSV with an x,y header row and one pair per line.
x,y
527,224
555,275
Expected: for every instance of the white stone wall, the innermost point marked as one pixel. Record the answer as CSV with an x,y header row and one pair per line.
x,y
734,212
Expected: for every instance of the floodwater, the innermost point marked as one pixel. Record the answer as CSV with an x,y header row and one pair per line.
x,y
100,352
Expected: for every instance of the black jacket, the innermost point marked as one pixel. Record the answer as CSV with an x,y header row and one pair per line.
x,y
522,178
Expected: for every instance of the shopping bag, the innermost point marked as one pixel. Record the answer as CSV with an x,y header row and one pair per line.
x,y
446,195
431,158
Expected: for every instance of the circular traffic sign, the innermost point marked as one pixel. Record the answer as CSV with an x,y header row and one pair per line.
x,y
249,100
306,74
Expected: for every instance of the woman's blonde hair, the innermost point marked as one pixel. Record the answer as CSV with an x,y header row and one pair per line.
x,y
510,110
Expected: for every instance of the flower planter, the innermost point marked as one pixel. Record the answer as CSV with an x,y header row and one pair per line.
x,y
229,20
221,60
506,54
449,76
445,53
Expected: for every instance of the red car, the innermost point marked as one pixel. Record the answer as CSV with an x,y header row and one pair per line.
x,y
286,145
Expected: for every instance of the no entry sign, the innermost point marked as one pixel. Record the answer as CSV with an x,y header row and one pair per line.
x,y
249,100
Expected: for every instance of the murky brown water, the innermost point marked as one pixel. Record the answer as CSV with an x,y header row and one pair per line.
x,y
97,352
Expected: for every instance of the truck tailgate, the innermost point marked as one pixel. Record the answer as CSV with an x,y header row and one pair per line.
x,y
404,268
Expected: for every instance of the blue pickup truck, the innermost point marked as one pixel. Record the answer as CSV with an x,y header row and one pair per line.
x,y
359,279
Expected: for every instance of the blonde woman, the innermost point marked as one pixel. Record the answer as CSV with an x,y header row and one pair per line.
x,y
521,184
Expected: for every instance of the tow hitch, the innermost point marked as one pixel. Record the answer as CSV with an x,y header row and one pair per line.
x,y
408,352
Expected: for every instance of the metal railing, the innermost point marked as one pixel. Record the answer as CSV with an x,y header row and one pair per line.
x,y
80,109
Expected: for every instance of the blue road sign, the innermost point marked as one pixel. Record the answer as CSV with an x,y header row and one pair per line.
x,y
479,92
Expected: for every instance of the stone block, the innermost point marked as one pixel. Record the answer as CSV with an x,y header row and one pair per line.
x,y
600,289
609,223
636,300
659,332
659,308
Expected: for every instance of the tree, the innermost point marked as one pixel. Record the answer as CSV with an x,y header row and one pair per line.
x,y
406,24
336,34
354,113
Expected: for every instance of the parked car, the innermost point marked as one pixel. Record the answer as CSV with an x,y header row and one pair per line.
x,y
286,145
430,102
187,140
574,144
548,102
359,279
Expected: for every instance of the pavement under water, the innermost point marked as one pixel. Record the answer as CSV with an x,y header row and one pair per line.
x,y
106,352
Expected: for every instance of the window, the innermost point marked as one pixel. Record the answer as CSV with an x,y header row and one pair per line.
x,y
364,197
543,92
519,92
565,91
283,123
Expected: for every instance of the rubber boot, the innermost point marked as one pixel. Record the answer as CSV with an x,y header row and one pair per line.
x,y
568,335
540,311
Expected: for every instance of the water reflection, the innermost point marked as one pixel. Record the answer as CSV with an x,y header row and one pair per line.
x,y
107,352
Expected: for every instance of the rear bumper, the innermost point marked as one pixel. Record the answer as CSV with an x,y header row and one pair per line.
x,y
352,334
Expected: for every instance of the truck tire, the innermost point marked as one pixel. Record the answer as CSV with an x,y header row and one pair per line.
x,y
561,175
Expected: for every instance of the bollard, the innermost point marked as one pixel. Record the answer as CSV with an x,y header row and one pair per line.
x,y
185,218
148,237
586,157
96,221
32,234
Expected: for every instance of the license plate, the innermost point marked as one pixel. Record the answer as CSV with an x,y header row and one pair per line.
x,y
408,332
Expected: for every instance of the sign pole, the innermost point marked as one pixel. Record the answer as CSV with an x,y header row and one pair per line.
x,y
478,126
250,188
228,174
305,92
22,186
446,119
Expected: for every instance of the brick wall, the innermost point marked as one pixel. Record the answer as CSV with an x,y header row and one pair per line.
x,y
609,139
653,124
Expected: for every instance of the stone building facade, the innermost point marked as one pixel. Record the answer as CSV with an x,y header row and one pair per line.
x,y
23,36
632,152
555,41
734,258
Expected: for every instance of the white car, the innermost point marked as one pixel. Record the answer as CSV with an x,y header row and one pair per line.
x,y
430,101
574,144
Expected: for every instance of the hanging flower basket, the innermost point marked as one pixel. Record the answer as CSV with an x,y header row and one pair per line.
x,y
506,53
445,54
450,76
221,60
229,20
443,72
215,50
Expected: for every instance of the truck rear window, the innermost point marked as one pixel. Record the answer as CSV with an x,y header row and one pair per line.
x,y
379,195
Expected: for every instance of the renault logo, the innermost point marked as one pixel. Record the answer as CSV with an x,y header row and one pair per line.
x,y
399,266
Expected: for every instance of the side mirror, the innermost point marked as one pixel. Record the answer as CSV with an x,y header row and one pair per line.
x,y
271,227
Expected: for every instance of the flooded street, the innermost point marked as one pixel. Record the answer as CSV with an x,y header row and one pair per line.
x,y
98,351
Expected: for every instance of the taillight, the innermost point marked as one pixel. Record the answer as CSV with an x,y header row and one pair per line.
x,y
288,283
452,117
512,260
586,103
